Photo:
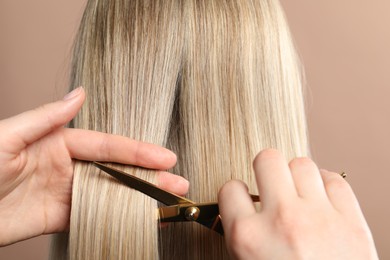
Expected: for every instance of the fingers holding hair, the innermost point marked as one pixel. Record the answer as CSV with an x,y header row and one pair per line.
x,y
32,125
95,146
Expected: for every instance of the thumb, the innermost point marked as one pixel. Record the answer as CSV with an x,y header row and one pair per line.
x,y
30,126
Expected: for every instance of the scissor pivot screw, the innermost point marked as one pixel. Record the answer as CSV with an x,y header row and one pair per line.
x,y
192,213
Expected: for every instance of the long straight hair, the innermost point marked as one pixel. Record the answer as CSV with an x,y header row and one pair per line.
x,y
215,81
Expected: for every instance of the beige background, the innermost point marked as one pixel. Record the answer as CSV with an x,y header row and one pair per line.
x,y
345,49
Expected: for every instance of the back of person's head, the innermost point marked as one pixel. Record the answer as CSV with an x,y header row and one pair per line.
x,y
215,81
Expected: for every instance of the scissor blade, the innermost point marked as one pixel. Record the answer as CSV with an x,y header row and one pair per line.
x,y
143,186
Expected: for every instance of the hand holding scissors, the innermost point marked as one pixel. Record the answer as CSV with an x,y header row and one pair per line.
x,y
36,166
305,214
177,209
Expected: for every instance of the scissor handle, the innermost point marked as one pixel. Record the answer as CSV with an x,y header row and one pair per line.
x,y
189,212
206,214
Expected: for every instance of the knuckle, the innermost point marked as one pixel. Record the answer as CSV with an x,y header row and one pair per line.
x,y
301,162
230,186
104,149
362,232
227,188
239,239
285,218
45,112
337,183
289,225
137,148
266,155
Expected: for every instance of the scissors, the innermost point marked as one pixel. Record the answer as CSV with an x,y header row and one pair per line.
x,y
178,209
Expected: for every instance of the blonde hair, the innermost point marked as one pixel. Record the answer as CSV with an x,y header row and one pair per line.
x,y
215,81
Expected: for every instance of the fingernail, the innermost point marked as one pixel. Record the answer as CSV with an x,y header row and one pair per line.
x,y
182,184
185,183
170,156
173,156
73,93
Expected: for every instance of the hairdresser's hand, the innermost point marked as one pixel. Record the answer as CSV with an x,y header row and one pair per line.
x,y
36,166
305,214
